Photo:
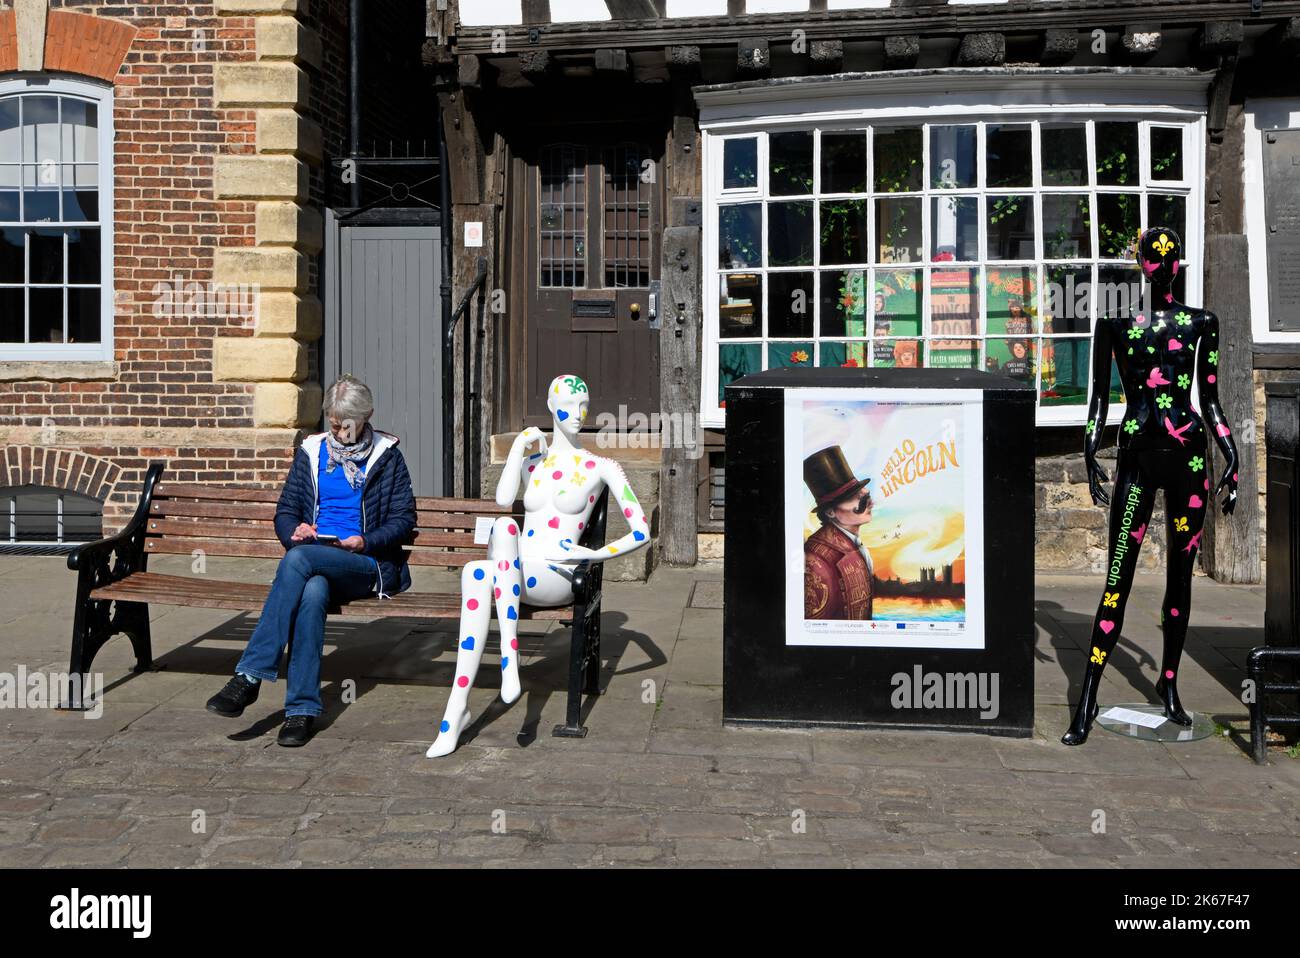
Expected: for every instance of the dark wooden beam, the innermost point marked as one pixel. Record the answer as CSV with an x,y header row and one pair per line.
x,y
535,64
1059,46
632,9
982,50
682,59
537,11
901,53
1221,37
611,63
827,55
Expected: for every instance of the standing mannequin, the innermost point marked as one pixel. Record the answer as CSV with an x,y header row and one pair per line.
x,y
561,486
1162,445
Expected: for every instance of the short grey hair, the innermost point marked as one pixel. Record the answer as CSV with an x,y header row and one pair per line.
x,y
349,398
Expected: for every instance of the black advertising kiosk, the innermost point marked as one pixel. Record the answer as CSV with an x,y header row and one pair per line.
x,y
879,565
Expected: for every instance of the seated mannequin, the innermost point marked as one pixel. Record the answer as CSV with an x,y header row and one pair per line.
x,y
1162,445
534,565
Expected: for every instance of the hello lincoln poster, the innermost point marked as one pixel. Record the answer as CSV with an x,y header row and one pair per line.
x,y
884,518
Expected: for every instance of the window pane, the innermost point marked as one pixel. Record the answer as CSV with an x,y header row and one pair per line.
x,y
11,256
954,305
790,164
1013,358
1067,232
41,194
897,353
954,354
741,306
740,164
45,256
562,217
41,129
1069,300
790,304
1119,217
9,212
1012,299
898,230
1166,153
736,360
83,315
1065,154
897,302
46,320
1011,227
844,162
11,315
626,226
844,231
954,228
1118,292
898,159
740,231
10,148
83,256
1009,156
790,234
844,305
852,355
80,205
1117,154
80,133
952,157
789,355
1065,372
1170,211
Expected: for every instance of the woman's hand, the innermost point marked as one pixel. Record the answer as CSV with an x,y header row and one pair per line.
x,y
1229,481
353,544
304,533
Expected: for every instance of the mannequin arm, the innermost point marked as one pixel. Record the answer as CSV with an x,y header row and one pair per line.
x,y
1207,384
1097,409
508,484
623,500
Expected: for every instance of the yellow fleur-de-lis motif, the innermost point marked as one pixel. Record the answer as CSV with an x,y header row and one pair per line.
x,y
578,479
1164,245
1098,656
1111,600
1180,524
549,461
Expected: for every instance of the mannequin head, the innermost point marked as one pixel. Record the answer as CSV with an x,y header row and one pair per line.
x,y
1160,256
567,399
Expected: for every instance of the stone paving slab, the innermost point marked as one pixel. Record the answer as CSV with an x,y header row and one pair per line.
x,y
158,781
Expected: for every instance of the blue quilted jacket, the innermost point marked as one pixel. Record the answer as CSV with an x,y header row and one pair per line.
x,y
387,506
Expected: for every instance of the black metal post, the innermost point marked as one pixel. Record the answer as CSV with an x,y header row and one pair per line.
x,y
448,374
355,36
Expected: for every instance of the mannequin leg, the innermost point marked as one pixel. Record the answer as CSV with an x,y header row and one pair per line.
x,y
507,589
475,616
1130,513
1185,504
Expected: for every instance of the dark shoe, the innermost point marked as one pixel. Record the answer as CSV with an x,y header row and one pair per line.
x,y
238,695
1167,689
296,731
1087,710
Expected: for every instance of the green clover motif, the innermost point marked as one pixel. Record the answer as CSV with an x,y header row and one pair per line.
x,y
1184,319
1196,463
1184,380
1214,357
1135,333
1131,426
1164,401
1089,429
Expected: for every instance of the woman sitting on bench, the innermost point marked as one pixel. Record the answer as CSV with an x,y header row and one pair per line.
x,y
343,514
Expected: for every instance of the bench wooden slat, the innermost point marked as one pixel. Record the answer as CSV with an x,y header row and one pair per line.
x,y
478,507
194,490
262,511
185,545
190,528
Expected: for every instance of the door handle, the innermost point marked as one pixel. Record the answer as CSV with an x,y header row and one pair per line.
x,y
636,311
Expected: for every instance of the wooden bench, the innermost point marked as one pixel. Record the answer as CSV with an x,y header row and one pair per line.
x,y
115,586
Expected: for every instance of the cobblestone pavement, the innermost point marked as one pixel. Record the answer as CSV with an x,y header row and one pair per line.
x,y
158,781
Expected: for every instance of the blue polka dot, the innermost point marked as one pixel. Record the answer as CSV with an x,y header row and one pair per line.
x,y
516,590
532,581
511,613
504,662
516,563
531,531
478,573
445,726
468,644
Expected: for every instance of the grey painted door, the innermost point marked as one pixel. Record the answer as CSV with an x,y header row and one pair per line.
x,y
382,325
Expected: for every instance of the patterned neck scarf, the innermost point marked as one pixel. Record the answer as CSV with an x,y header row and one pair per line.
x,y
350,455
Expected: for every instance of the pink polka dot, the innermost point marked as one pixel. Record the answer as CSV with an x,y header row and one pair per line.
x,y
579,525
531,468
591,498
514,530
628,513
1211,377
557,474
591,464
514,643
1207,483
463,681
497,593
1234,477
1174,613
1169,673
503,565
472,604
646,520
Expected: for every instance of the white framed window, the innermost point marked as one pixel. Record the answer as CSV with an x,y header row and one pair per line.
x,y
56,237
939,236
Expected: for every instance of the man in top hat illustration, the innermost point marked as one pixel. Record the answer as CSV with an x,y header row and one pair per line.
x,y
838,570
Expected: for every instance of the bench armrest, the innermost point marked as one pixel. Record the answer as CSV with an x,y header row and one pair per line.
x,y
127,547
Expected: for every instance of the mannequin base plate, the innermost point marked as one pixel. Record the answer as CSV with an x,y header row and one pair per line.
x,y
1169,731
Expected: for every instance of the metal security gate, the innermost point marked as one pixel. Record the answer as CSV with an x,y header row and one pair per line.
x,y
383,325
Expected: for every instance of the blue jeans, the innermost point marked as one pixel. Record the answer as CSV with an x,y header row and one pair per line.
x,y
308,578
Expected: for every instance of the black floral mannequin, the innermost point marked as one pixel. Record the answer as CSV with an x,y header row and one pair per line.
x,y
1162,445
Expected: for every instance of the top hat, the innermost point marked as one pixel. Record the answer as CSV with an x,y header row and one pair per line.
x,y
829,477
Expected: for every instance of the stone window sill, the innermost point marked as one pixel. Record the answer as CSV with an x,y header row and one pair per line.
x,y
22,371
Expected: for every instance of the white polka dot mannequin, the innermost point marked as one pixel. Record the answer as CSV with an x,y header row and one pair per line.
x,y
535,564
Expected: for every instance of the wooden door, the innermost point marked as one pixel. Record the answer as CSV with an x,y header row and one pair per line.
x,y
594,232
